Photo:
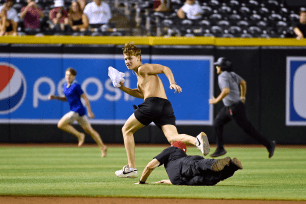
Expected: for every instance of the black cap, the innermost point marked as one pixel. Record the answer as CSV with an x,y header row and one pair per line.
x,y
224,63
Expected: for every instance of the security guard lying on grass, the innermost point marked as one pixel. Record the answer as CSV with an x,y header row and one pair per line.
x,y
190,170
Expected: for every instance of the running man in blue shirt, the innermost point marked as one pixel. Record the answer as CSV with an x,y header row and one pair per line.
x,y
73,94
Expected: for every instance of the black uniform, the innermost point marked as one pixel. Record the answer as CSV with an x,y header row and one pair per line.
x,y
234,109
191,170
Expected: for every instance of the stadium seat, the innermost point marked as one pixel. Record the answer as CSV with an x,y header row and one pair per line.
x,y
214,4
253,3
158,14
294,17
263,11
281,28
167,22
254,30
215,17
116,33
197,31
225,10
272,4
223,23
186,22
227,35
264,34
255,17
206,10
234,4
234,18
262,24
245,11
282,24
275,17
207,33
223,18
284,12
204,23
243,24
217,31
96,34
189,33
246,35
235,30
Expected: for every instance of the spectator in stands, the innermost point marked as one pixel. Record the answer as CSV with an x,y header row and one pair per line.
x,y
162,5
82,4
77,20
191,9
300,29
98,13
31,14
57,15
8,19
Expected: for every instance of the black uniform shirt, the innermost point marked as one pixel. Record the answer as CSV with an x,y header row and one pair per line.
x,y
302,28
171,159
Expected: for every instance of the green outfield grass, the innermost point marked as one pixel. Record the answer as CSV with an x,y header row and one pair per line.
x,y
72,171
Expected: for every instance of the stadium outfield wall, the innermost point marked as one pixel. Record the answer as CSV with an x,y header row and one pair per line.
x,y
31,68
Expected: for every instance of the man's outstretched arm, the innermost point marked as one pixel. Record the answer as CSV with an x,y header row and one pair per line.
x,y
147,171
160,69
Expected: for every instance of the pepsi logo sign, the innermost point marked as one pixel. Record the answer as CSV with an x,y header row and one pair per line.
x,y
12,88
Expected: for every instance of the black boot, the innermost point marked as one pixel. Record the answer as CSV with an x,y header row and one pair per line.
x,y
218,152
271,148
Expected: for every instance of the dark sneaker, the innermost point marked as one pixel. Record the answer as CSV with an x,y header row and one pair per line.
x,y
218,153
272,148
219,164
237,163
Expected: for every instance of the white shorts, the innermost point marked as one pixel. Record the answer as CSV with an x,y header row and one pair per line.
x,y
73,116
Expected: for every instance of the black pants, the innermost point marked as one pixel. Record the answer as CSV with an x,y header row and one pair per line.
x,y
197,171
238,114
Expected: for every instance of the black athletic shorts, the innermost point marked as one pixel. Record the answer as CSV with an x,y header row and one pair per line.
x,y
9,28
157,110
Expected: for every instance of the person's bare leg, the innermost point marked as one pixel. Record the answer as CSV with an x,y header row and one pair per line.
x,y
128,130
2,24
64,125
96,136
172,135
201,141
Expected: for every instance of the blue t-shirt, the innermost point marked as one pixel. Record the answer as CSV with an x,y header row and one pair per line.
x,y
73,94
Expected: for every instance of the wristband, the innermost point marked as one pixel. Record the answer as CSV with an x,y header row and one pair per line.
x,y
173,83
141,182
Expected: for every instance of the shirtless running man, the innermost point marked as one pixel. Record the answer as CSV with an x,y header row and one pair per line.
x,y
155,108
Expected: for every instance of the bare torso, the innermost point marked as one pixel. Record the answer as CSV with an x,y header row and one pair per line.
x,y
151,85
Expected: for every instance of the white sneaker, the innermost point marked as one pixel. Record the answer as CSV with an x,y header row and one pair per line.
x,y
203,144
126,172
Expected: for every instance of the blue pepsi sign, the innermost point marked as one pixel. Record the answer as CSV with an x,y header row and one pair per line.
x,y
295,93
27,80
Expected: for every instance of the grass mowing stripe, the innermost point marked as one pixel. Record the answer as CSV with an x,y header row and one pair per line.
x,y
69,171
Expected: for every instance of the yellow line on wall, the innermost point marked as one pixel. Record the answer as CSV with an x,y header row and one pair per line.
x,y
119,40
